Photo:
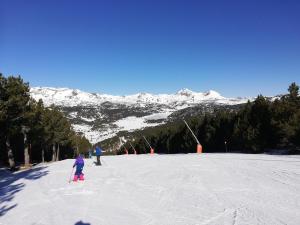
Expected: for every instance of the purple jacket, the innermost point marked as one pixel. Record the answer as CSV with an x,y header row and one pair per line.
x,y
79,162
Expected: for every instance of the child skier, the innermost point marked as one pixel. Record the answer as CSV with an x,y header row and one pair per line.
x,y
79,163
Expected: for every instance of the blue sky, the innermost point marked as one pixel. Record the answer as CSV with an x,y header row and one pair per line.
x,y
238,48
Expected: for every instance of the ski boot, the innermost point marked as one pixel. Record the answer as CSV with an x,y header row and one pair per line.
x,y
81,177
75,178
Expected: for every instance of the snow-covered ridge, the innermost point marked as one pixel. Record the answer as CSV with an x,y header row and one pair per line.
x,y
102,116
73,97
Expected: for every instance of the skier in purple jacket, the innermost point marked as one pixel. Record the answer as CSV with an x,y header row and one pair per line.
x,y
79,163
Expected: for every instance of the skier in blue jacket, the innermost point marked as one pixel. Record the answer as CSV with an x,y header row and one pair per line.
x,y
98,154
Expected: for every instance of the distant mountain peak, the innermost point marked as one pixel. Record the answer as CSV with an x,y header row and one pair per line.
x,y
185,92
213,94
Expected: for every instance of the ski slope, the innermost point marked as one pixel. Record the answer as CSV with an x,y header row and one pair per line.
x,y
206,189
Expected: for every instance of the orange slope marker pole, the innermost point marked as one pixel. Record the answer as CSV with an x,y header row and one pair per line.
x,y
199,146
151,149
123,145
133,148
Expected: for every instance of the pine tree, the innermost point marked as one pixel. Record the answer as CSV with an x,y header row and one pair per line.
x,y
14,99
293,92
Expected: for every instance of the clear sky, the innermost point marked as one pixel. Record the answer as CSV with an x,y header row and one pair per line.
x,y
238,48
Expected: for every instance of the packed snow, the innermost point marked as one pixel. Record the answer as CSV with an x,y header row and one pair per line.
x,y
206,189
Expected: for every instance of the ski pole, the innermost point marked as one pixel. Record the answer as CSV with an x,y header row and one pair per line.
x,y
71,175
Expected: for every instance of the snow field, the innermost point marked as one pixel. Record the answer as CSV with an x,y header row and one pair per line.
x,y
206,189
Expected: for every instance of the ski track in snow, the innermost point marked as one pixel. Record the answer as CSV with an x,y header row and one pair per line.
x,y
191,189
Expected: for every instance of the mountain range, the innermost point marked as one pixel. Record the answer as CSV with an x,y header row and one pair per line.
x,y
102,116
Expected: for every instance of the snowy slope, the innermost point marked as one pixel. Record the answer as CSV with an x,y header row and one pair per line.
x,y
101,116
207,189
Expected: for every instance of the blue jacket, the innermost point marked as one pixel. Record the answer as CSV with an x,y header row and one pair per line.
x,y
98,151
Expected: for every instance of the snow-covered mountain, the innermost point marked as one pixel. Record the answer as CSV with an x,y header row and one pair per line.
x,y
101,116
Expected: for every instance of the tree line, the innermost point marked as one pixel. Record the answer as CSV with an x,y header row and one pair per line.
x,y
31,132
262,125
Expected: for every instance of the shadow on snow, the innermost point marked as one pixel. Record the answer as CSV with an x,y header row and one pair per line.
x,y
81,223
9,185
